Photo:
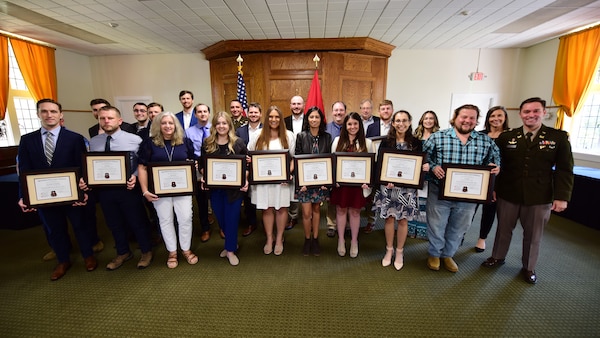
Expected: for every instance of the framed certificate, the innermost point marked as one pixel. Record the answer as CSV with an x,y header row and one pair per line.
x,y
354,169
271,166
376,142
467,183
402,168
106,168
222,171
51,187
172,178
314,170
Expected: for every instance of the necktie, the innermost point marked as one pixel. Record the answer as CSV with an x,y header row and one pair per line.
x,y
204,134
107,145
528,137
49,147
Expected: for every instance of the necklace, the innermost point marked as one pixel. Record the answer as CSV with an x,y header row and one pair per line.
x,y
169,155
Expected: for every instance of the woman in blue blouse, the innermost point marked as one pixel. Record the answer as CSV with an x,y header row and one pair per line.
x,y
168,144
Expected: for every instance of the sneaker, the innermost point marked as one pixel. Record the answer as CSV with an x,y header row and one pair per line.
x,y
118,261
145,260
98,246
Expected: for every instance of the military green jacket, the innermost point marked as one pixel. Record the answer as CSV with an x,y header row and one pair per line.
x,y
536,174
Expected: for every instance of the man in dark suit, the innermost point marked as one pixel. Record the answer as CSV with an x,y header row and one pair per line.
x,y
94,130
536,178
187,117
386,109
54,147
246,132
366,113
294,124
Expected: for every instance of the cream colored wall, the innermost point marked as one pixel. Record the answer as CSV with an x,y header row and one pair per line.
x,y
160,76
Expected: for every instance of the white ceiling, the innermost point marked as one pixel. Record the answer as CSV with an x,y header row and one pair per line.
x,y
184,26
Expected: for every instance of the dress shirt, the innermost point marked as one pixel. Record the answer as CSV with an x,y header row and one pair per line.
x,y
384,128
54,133
333,129
187,119
253,132
444,147
367,123
121,141
197,134
297,123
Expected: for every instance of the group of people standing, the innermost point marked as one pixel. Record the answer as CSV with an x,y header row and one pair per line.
x,y
192,134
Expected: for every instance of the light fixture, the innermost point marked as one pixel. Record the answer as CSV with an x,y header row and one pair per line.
x,y
466,12
113,24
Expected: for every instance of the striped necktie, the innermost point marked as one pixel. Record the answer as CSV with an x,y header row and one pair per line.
x,y
49,147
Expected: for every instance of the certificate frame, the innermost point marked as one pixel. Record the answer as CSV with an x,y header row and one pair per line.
x,y
222,180
477,183
322,162
343,159
269,156
375,143
183,173
92,168
38,187
411,160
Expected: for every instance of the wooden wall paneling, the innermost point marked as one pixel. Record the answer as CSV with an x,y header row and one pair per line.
x,y
355,89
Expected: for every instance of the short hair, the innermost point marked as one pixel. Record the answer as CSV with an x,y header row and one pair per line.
x,y
336,102
140,104
99,101
39,103
183,92
156,104
365,101
386,103
256,105
108,108
531,100
156,135
202,104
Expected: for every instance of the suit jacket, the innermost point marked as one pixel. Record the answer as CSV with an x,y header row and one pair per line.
x,y
192,122
288,123
243,133
538,173
130,128
374,129
67,152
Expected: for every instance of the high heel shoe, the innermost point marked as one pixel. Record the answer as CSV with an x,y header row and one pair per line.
x,y
399,261
387,259
341,247
353,249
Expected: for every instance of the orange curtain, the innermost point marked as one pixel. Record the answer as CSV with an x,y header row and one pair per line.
x,y
576,63
38,67
3,75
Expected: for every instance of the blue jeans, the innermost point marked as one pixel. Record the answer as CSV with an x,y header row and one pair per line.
x,y
447,222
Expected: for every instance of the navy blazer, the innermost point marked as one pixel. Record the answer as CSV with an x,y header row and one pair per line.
x,y
243,133
192,122
373,130
67,153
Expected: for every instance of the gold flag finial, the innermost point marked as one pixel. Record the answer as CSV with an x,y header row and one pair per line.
x,y
316,59
239,61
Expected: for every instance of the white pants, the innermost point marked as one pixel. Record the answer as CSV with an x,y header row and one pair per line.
x,y
183,209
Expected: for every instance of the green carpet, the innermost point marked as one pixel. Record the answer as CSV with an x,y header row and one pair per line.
x,y
296,296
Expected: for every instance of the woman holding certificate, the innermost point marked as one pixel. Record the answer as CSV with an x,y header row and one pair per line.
x,y
168,144
226,203
312,140
397,203
273,199
347,199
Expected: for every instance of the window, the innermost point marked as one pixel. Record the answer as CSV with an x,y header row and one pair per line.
x,y
584,128
21,117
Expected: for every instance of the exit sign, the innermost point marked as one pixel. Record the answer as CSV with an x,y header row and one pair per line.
x,y
476,76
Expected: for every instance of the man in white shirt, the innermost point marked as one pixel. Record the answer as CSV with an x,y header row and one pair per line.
x,y
386,108
294,124
187,117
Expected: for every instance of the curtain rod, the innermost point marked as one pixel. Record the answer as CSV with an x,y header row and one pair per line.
x,y
24,38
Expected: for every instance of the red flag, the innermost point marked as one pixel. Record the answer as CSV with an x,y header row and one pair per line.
x,y
315,98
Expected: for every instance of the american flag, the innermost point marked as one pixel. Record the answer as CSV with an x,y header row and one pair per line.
x,y
241,92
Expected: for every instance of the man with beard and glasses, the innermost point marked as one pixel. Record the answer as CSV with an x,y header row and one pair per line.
x,y
449,220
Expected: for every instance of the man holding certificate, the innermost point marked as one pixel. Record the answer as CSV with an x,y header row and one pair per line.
x,y
448,220
537,178
122,207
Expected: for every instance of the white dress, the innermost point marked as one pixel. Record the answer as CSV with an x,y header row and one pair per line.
x,y
272,195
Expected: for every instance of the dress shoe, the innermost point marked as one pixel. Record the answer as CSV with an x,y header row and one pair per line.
x,y
492,262
480,246
306,247
387,259
341,248
118,261
433,263
211,219
233,259
353,249
205,236
90,263
98,247
222,234
60,270
369,228
331,232
145,260
249,231
278,249
50,256
291,224
399,260
479,250
268,248
529,276
450,264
